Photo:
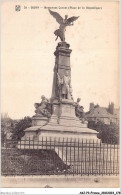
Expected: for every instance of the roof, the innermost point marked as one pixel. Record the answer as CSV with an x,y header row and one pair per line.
x,y
116,112
100,112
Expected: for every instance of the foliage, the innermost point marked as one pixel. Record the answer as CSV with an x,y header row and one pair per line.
x,y
3,136
6,126
107,133
19,128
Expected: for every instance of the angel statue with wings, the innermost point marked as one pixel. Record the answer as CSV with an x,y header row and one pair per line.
x,y
63,23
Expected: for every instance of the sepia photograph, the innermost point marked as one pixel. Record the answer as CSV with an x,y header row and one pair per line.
x,y
60,94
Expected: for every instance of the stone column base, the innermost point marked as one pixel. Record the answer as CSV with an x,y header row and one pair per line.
x,y
39,120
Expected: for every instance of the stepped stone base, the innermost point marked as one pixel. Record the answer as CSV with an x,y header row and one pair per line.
x,y
63,123
39,120
85,135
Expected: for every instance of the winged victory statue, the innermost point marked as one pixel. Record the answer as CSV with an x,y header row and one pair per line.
x,y
63,24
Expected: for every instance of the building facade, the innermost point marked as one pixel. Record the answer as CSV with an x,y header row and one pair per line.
x,y
106,115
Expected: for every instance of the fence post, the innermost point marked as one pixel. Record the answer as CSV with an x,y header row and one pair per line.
x,y
66,156
96,158
110,161
46,142
114,160
24,155
78,160
86,157
7,157
100,158
92,156
58,145
89,160
82,159
74,157
55,163
62,162
107,160
117,164
38,164
33,144
42,142
70,154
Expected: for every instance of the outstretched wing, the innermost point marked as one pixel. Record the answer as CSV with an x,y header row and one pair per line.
x,y
57,16
72,19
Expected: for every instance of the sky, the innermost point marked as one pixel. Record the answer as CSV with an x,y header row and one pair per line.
x,y
28,44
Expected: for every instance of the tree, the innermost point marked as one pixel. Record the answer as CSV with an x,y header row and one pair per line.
x,y
3,135
19,128
107,133
6,127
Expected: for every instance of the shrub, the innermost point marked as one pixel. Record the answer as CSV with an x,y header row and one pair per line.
x,y
19,128
107,133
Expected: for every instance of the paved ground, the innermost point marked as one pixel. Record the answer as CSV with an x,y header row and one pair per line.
x,y
60,181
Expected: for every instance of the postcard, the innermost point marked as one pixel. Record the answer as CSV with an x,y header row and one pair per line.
x,y
60,95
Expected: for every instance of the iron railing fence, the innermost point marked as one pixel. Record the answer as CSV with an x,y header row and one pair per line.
x,y
48,156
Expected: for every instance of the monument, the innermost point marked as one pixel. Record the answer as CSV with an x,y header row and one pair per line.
x,y
60,116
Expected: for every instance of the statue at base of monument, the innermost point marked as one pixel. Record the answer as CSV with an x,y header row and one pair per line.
x,y
43,108
79,110
64,86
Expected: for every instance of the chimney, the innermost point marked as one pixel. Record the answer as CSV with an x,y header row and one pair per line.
x,y
111,108
91,106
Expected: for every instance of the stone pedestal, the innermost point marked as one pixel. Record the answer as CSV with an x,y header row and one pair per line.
x,y
31,133
39,120
37,123
63,122
86,135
